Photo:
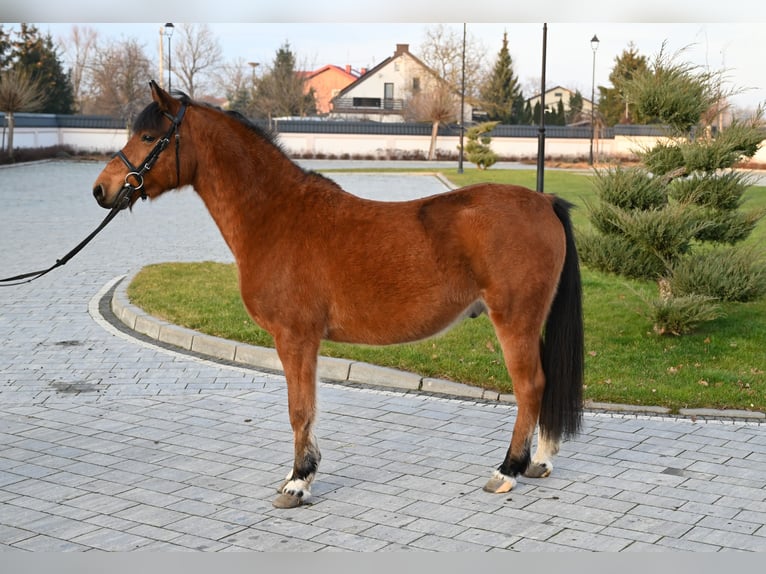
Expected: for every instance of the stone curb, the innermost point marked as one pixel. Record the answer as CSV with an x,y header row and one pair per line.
x,y
343,370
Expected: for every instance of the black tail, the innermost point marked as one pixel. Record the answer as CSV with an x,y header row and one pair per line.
x,y
563,346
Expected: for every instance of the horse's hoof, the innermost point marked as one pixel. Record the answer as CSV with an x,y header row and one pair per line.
x,y
538,470
287,501
499,483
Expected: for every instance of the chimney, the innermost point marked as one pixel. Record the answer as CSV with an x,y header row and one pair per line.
x,y
362,71
348,68
401,49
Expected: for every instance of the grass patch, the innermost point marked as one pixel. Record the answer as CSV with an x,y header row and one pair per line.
x,y
721,365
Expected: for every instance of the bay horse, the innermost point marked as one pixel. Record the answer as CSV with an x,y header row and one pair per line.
x,y
315,262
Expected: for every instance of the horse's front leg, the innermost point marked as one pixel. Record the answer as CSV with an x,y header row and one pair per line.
x,y
299,360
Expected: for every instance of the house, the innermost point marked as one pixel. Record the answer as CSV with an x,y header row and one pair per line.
x,y
383,92
560,93
327,82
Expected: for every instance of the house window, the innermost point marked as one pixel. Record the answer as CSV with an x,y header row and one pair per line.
x,y
388,96
416,85
367,102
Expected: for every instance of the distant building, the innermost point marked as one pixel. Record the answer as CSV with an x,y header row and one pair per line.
x,y
382,93
327,82
562,94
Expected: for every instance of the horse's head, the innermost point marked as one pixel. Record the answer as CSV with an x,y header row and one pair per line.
x,y
150,163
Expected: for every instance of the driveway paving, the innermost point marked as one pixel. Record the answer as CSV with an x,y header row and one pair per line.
x,y
113,440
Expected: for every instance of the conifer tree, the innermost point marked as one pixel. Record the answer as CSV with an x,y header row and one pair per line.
x,y
477,149
677,219
36,55
614,103
5,48
501,95
280,92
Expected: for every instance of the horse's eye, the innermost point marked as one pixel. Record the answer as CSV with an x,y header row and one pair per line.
x,y
147,138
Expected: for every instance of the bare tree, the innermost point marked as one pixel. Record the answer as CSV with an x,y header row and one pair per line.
x,y
437,100
281,90
237,81
196,57
437,103
78,49
442,51
19,92
119,74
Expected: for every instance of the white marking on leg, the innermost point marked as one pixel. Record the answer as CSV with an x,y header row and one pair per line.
x,y
499,483
298,488
542,461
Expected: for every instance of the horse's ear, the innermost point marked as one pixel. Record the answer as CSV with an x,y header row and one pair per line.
x,y
166,102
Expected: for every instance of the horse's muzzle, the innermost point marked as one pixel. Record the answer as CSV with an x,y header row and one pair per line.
x,y
100,195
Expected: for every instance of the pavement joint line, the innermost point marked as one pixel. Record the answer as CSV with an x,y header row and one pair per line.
x,y
366,375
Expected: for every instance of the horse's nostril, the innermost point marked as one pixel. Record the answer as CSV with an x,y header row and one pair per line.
x,y
98,192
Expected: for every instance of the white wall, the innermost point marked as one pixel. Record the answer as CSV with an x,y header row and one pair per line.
x,y
377,145
110,140
81,139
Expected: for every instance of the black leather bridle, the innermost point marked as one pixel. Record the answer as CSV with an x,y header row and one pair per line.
x,y
124,197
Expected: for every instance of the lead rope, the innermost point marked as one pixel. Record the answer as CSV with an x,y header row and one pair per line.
x,y
123,200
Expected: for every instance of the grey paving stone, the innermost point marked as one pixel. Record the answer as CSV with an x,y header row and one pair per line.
x,y
589,541
440,544
112,540
114,443
723,538
205,527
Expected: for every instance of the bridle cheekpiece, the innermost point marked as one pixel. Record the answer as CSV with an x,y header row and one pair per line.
x,y
125,195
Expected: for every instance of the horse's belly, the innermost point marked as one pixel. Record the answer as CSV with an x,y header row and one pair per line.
x,y
405,325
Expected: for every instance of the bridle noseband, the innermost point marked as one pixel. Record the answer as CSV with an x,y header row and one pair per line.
x,y
125,195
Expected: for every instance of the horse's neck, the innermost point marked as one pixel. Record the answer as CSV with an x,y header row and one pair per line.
x,y
242,198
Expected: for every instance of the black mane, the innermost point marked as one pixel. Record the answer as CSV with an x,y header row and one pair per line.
x,y
151,118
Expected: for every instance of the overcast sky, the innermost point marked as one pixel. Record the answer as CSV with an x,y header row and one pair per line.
x,y
362,34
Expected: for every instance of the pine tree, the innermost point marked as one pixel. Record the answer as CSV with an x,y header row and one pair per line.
x,y
5,48
614,103
37,56
575,108
501,96
280,92
652,221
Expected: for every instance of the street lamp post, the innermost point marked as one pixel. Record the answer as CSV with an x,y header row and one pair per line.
x,y
541,129
594,47
253,66
462,107
169,33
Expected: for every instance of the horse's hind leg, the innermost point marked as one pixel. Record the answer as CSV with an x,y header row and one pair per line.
x,y
542,461
521,349
299,362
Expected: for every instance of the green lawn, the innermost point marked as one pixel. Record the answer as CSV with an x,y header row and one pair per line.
x,y
721,365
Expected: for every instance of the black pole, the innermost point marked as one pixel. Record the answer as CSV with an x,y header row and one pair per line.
x,y
462,108
169,54
594,47
541,135
169,27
